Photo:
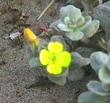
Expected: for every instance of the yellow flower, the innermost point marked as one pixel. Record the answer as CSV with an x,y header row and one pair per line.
x,y
30,37
55,58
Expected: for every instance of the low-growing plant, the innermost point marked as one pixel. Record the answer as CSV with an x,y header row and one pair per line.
x,y
53,54
99,91
75,24
61,62
54,58
68,47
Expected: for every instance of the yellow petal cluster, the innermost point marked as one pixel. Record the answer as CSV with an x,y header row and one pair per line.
x,y
55,58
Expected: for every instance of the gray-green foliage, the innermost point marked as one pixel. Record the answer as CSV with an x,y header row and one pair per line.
x,y
100,62
89,97
88,5
96,94
102,13
59,79
75,24
34,62
99,91
73,73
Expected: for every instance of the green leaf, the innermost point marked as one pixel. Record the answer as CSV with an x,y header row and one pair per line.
x,y
76,74
106,87
96,88
102,13
89,4
104,75
64,27
67,20
89,97
88,19
71,11
84,51
80,22
108,64
75,14
59,79
98,60
34,62
91,28
58,38
79,60
75,36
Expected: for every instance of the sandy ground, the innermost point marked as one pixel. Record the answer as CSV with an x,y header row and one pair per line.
x,y
15,72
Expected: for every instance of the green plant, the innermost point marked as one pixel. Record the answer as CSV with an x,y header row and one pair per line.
x,y
60,59
99,91
55,57
54,53
75,24
60,64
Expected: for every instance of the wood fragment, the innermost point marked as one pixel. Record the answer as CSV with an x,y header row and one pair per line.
x,y
46,9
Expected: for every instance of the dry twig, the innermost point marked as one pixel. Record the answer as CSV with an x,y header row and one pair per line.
x,y
46,9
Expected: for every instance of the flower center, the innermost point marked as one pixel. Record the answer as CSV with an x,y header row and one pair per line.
x,y
53,58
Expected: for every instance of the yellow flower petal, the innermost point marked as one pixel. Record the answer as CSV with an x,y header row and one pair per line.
x,y
55,47
54,68
64,59
55,58
30,36
44,57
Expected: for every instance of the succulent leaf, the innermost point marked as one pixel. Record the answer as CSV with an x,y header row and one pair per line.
x,y
64,27
58,38
106,87
34,62
89,97
75,24
104,75
59,79
67,20
84,51
102,13
79,60
108,64
91,28
71,11
96,88
74,36
98,60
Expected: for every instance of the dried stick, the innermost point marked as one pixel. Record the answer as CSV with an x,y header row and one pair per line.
x,y
45,10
